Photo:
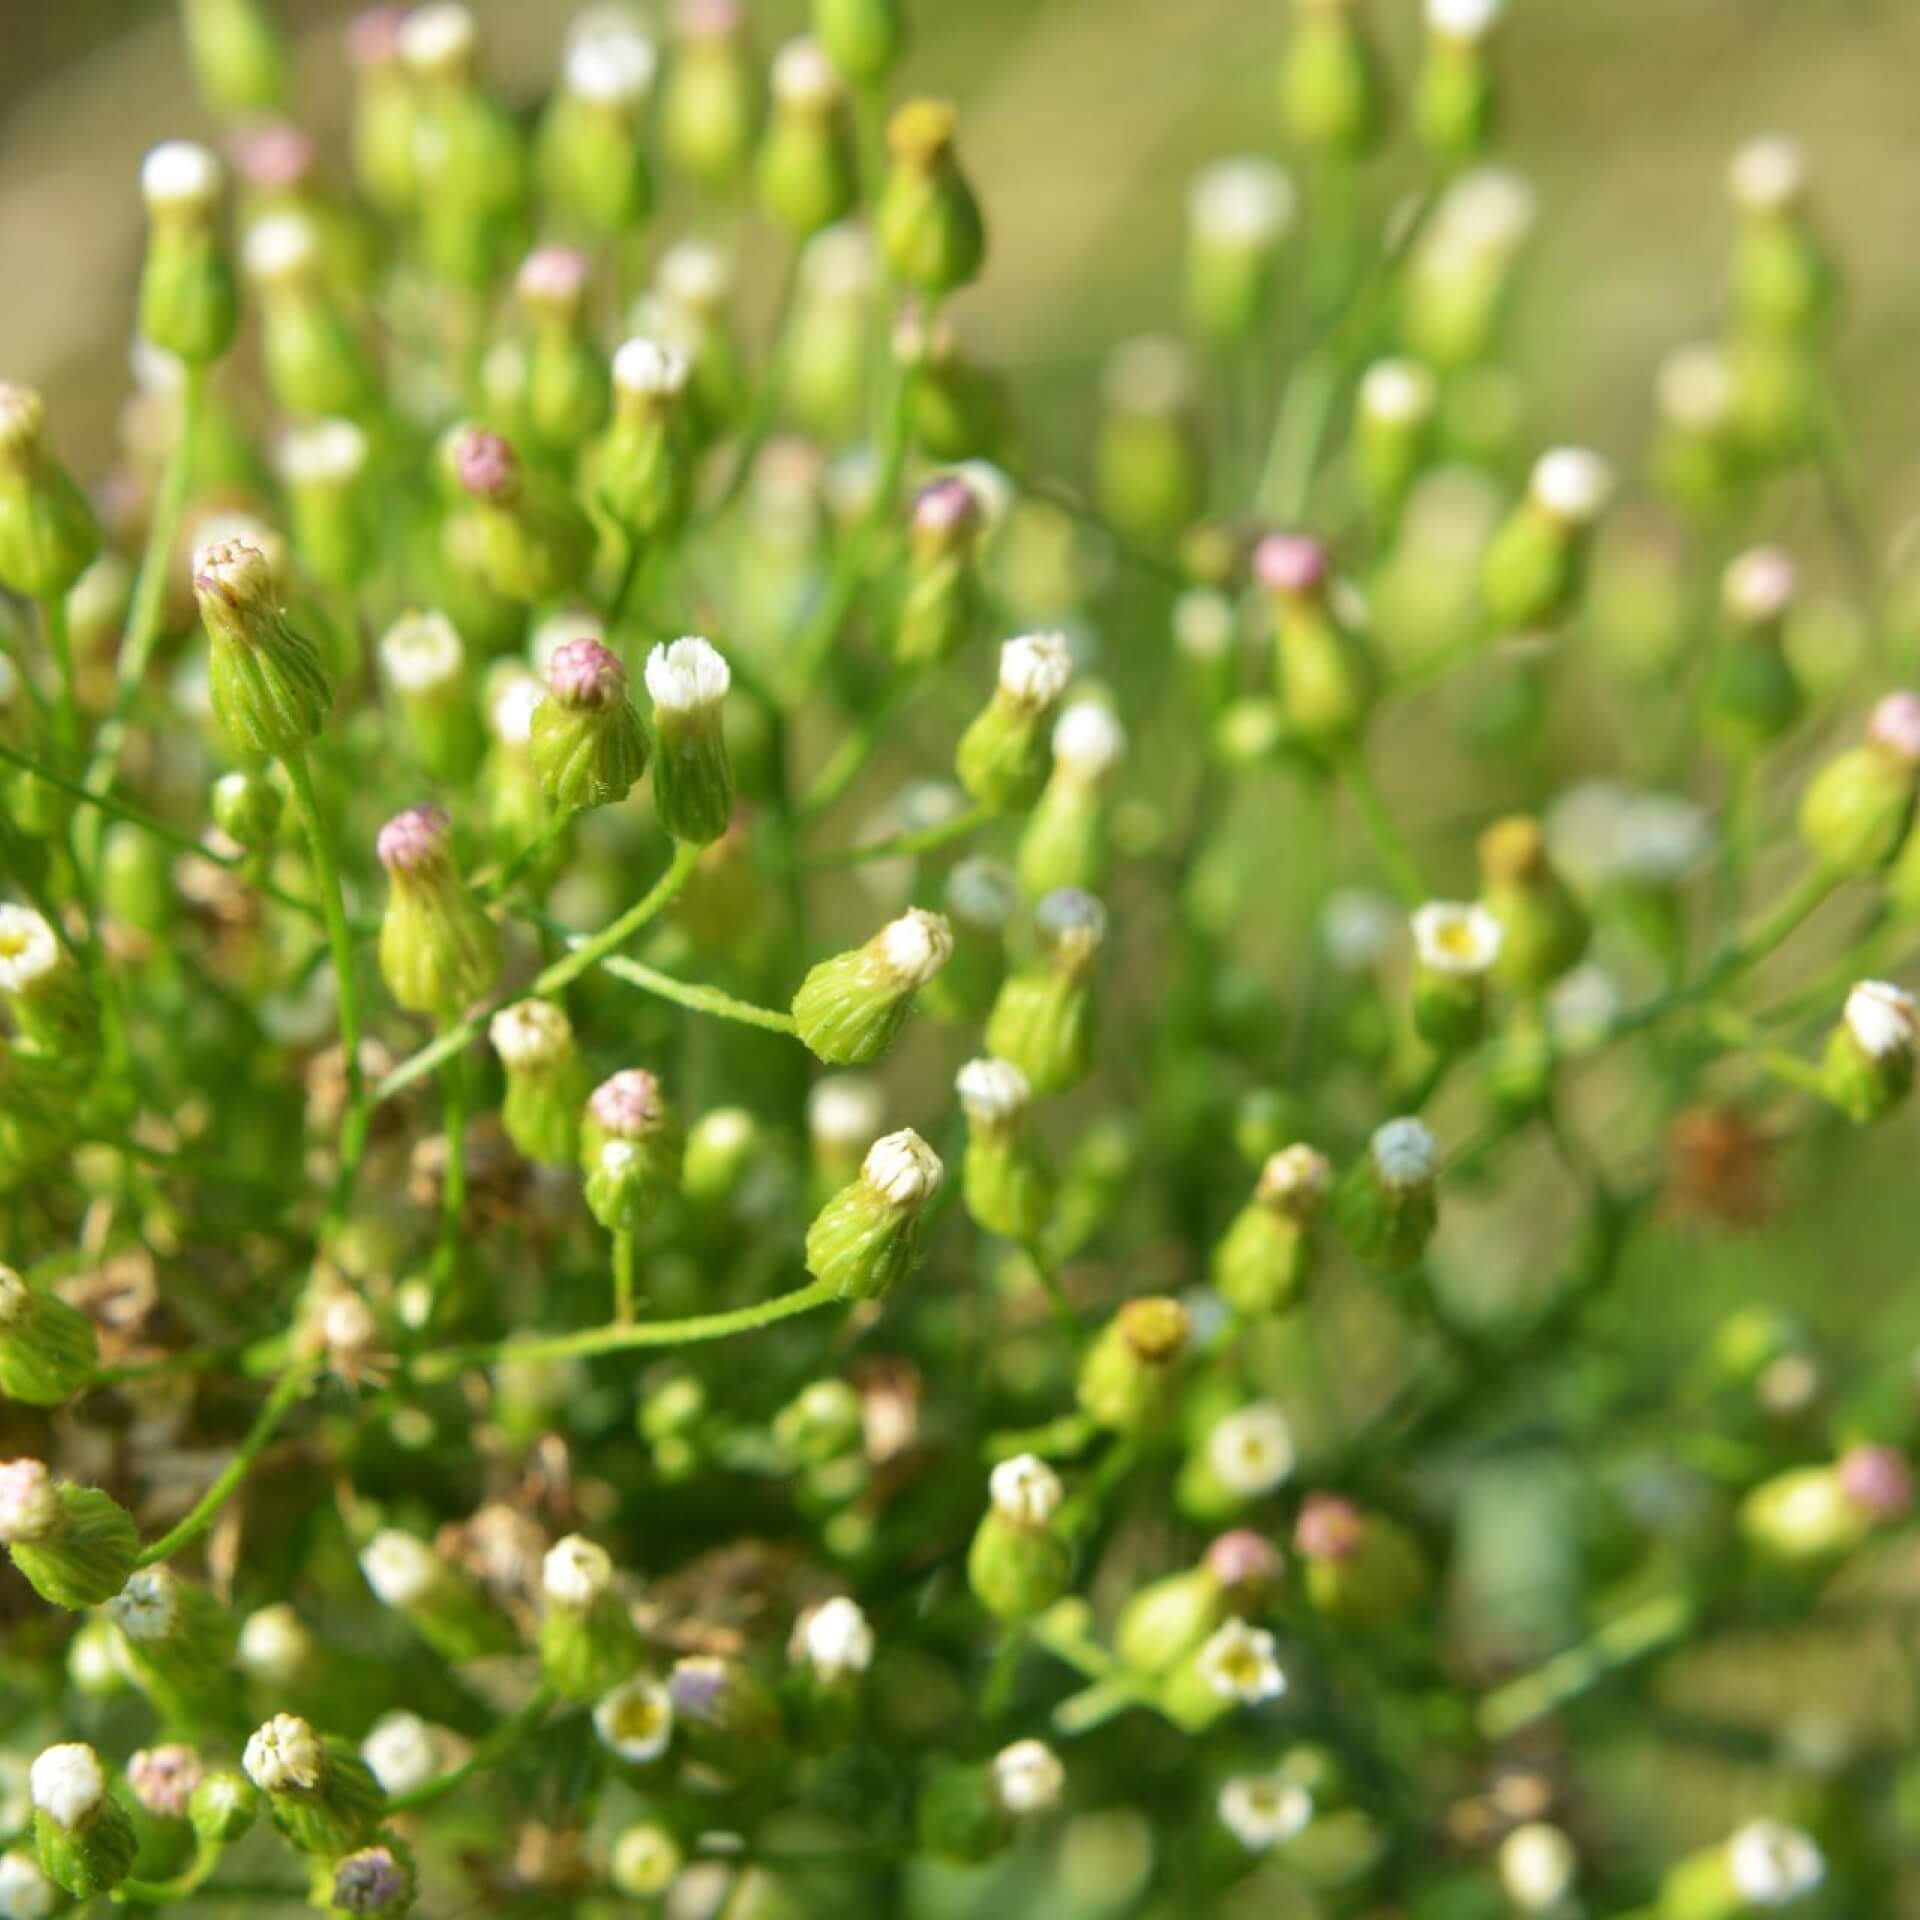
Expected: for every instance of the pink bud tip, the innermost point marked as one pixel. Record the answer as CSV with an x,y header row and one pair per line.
x,y
558,274
1878,1479
163,1779
1243,1558
1290,563
486,464
373,37
946,506
414,839
1329,1528
630,1105
1896,726
274,157
583,673
707,19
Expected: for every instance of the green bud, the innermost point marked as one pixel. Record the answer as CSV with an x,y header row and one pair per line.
x,y
1363,1571
692,775
379,1879
441,1604
819,1424
1239,213
1535,567
943,599
1456,100
318,1790
324,468
1462,265
47,995
535,542
645,1861
1265,1260
439,952
691,311
546,1080
1783,282
1004,756
863,38
642,471
384,120
1543,928
246,806
1324,671
587,743
1149,467
808,167
1385,1205
223,1808
238,56
588,1643
1762,1866
850,1008
1455,949
724,1716
268,688
177,1644
1869,1062
631,1150
1857,812
1237,1665
1754,697
1333,89
84,1837
830,335
48,535
1064,843
931,234
1128,1377
189,298
1697,458
711,108
724,1148
315,366
569,393
960,409
1018,1564
1167,1620
1393,433
48,1349
867,1237
1044,1016
424,662
591,154
73,1545
1006,1183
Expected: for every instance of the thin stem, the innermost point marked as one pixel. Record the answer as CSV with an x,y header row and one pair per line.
x,y
1049,1277
901,846
997,1696
502,883
453,1178
356,1116
623,1265
1396,856
855,749
617,1339
507,1735
697,998
287,1389
1631,1637
160,1893
66,707
772,387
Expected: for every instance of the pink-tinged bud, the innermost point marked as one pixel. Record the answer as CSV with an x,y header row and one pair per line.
x,y
1895,725
415,841
1329,1528
163,1779
1244,1561
1290,563
630,1106
373,37
584,675
1877,1478
552,277
946,506
274,158
488,468
708,19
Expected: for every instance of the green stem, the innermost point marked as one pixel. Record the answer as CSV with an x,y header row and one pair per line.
x,y
1049,1276
453,1179
623,1265
1396,856
161,1893
997,1696
66,708
502,883
617,1339
902,846
287,1389
501,1740
855,749
354,1120
697,998
1630,1638
766,404
1739,1032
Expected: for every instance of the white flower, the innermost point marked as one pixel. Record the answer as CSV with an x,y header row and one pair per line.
x,y
1573,485
1251,1450
283,246
992,1091
1398,393
1262,1810
29,1501
1028,1777
284,1754
902,1169
67,1783
148,1606
1537,1864
1203,624
531,1033
1245,201
694,276
1882,1019
1241,1663
845,1110
1771,1864
1767,175
1487,213
25,1892
804,77
1759,586
28,949
435,38
178,172
274,1643
1695,388
422,652
1464,19
686,676
916,946
400,1569
400,1753
1025,1490
643,366
1456,939
576,1572
1088,740
328,451
511,709
835,1638
1035,668
610,62
1356,927
1405,1153
635,1720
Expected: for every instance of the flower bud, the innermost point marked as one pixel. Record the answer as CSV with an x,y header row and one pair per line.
x,y
725,1717
1005,1181
324,469
177,1645
1167,1620
1128,1376
535,542
979,896
1236,1666
1455,101
808,169
711,107
48,1350
375,1879
568,388
867,1236
960,408
1754,697
223,1808
863,38
642,470
1806,1517
424,661
1239,214
1149,466
246,806
441,1604
238,56
931,233
1018,1564
592,148
315,367
691,310
834,1641
1784,284
1028,1778
1543,928
1044,1017
943,598
631,1150
1538,1867
1455,949
850,1009
46,993
1869,1062
1857,811
1461,267
1535,566
587,742
692,775
1264,1811
1064,843
634,1721
74,1546
25,1891
1385,1206
48,535
268,687
82,1834
439,952
546,1080
1324,672
1333,89
1004,756
189,299
1363,1571
587,1639
1393,433
1265,1260
1762,1866
1697,458
384,117
318,1790
645,1862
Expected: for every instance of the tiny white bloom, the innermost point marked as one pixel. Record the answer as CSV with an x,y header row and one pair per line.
x,y
28,950
576,1572
804,77
1573,485
1537,1864
399,1751
1088,740
845,1110
1251,1451
1203,624
1772,1864
327,452
1245,201
916,946
1759,586
423,652
179,171
274,1643
1486,213
1695,388
1295,1173
902,1169
1028,1777
148,1606
838,263
1264,1810
1882,1018
992,1091
435,38
68,1782
695,276
635,1720
29,1501
531,1033
1464,19
1242,1663
399,1568
1035,668
1398,393
283,246
1405,1153
686,675
1767,175
1455,938
284,1754
610,63
1025,1490
643,366
836,1639
25,1892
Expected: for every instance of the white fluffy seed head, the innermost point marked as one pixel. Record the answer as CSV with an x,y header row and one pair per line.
x,y
1469,20
1262,1810
400,1568
1251,1451
1088,740
327,453
283,246
1573,485
1456,938
438,39
399,1751
1243,202
531,1034
687,676
993,1092
635,1720
1537,1865
29,1501
1771,1864
180,173
1035,668
915,947
1242,1663
902,1169
1759,586
1405,1154
650,367
285,1755
28,950
845,1111
148,1607
1025,1490
576,1572
1768,175
67,1783
422,653
1882,1019
1028,1777
835,1638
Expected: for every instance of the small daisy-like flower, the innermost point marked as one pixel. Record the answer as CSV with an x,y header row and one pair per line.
x,y
1771,1863
687,674
284,1755
1025,1490
1251,1451
992,1092
1455,938
1028,1777
29,952
1263,1810
1241,1663
834,1639
635,1720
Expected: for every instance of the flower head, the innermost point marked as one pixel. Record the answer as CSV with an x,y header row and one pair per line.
x,y
835,1638
845,1111
1572,485
1251,1451
1768,176
1895,727
29,951
584,674
1264,1810
180,173
67,1783
1772,1864
285,1756
1088,740
1404,1153
422,652
1246,201
1028,1777
399,1751
531,1034
416,842
29,1501
1883,1019
1456,939
576,1572
1025,1490
902,1169
629,1106
1035,668
1242,1663
163,1778
400,1568
148,1606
